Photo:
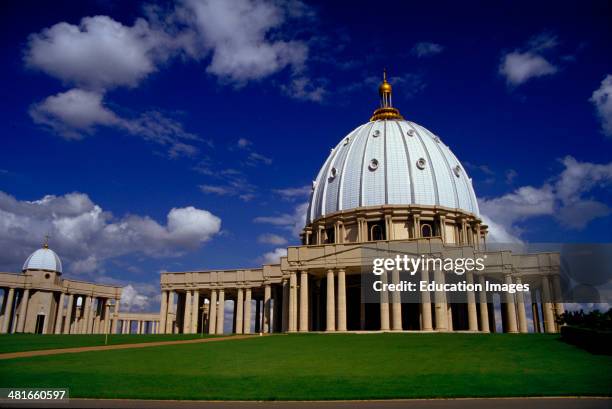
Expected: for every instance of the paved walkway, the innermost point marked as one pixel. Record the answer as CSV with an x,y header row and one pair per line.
x,y
41,352
468,403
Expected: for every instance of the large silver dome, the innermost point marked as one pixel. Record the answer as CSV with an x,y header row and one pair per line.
x,y
391,162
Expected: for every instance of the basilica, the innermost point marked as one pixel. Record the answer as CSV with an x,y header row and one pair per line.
x,y
389,187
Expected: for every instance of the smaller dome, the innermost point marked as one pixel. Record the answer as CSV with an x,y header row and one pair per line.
x,y
43,259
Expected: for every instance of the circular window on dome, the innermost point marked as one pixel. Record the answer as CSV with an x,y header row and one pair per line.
x,y
457,170
410,132
314,184
373,165
347,140
333,173
421,163
376,133
436,139
47,275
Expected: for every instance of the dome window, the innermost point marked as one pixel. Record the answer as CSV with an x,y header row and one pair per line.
x,y
314,184
457,170
373,165
410,132
333,173
436,139
347,140
376,133
421,163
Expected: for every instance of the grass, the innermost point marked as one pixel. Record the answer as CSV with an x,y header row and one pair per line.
x,y
29,342
315,366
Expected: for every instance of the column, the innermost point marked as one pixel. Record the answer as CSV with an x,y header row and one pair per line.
x,y
163,312
285,312
426,324
59,315
266,307
247,311
8,310
396,304
169,324
220,312
557,296
124,326
341,300
69,309
116,315
440,306
303,301
212,321
292,302
86,307
23,310
187,313
547,306
510,308
471,304
239,311
449,307
520,305
384,305
484,311
195,303
331,308
139,327
107,321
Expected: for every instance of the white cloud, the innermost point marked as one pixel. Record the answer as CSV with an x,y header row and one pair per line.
x,y
243,38
563,198
521,65
84,235
293,222
293,193
132,300
99,53
76,113
274,256
426,49
305,88
269,238
602,99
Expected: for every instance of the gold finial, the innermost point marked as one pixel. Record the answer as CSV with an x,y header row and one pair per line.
x,y
386,110
46,243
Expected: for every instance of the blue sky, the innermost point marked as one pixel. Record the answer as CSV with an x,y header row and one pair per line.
x,y
224,111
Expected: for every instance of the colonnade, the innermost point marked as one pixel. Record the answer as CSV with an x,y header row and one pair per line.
x,y
83,314
125,326
303,301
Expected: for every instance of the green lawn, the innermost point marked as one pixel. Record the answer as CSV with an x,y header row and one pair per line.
x,y
312,366
29,342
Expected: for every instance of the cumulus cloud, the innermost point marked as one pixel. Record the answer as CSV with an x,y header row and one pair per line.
x,y
85,235
243,38
565,198
240,41
77,113
99,53
602,99
274,256
132,300
270,238
521,65
426,49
